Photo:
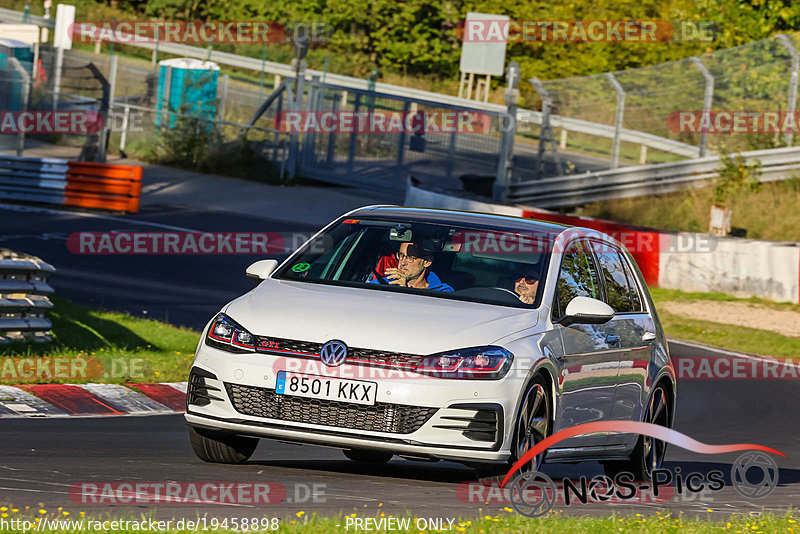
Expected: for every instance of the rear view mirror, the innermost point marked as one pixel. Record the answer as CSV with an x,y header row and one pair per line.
x,y
586,310
261,270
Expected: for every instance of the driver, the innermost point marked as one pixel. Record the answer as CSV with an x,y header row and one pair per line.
x,y
413,263
525,287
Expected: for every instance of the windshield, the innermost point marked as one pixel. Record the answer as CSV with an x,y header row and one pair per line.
x,y
479,264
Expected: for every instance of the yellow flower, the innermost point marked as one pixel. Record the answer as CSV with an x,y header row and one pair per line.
x,y
300,513
507,509
15,510
42,511
709,510
4,514
65,512
3,508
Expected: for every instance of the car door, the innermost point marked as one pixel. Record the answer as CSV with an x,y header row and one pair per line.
x,y
588,366
631,325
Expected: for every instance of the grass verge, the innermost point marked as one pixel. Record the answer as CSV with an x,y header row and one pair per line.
x,y
102,347
726,336
506,522
769,213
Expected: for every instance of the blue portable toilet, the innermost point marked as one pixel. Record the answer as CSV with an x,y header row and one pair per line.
x,y
187,85
12,80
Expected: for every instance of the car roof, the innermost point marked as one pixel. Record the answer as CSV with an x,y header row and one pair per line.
x,y
437,215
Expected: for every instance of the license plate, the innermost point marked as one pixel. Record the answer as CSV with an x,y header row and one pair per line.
x,y
321,387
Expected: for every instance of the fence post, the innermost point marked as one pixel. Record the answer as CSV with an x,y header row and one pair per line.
x,y
708,97
352,150
112,85
617,119
57,76
123,136
505,164
401,137
792,104
223,96
546,104
25,80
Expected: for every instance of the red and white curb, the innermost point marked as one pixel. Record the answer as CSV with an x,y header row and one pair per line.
x,y
91,400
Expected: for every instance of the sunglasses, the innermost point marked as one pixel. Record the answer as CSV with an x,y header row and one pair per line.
x,y
530,281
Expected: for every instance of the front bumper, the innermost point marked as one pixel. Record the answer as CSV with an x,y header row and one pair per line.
x,y
414,415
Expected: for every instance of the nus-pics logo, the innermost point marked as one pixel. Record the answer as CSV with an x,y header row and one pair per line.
x,y
754,474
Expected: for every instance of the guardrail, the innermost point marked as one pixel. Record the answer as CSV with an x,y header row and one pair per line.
x,y
280,69
71,183
574,190
24,297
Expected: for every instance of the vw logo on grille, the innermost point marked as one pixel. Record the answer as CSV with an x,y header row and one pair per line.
x,y
333,353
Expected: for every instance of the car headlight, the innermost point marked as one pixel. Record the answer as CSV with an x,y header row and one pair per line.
x,y
227,334
473,363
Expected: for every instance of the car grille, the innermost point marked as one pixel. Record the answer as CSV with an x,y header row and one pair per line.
x,y
380,417
355,356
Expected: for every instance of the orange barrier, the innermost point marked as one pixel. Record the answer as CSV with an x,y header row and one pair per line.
x,y
103,186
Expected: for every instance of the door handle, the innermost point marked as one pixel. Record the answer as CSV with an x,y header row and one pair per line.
x,y
648,336
612,338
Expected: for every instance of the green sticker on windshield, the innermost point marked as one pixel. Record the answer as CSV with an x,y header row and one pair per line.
x,y
300,267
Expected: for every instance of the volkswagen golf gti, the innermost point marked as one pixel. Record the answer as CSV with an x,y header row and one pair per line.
x,y
437,334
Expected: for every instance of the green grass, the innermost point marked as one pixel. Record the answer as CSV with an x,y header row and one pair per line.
x,y
115,346
507,521
722,335
769,213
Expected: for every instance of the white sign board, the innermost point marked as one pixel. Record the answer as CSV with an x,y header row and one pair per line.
x,y
27,33
65,18
483,45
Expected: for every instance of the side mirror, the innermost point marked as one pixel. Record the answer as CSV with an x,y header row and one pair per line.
x,y
261,270
585,310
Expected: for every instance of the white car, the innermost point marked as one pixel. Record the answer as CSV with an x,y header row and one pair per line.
x,y
437,334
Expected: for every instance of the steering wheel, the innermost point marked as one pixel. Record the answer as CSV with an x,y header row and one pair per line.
x,y
506,290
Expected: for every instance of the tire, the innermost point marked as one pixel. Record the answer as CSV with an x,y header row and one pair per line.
x,y
526,435
221,448
534,422
368,457
648,454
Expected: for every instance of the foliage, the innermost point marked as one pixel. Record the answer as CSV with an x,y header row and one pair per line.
x,y
736,174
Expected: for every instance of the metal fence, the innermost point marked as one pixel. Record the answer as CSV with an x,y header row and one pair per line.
x,y
24,297
574,190
758,76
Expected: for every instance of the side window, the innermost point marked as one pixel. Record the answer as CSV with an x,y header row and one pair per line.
x,y
618,290
636,298
578,276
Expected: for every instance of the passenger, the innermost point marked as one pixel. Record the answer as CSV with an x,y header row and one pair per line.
x,y
525,287
412,270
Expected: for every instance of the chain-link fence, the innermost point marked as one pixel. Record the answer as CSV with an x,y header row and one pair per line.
x,y
755,77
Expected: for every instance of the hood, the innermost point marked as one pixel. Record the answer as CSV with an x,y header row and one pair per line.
x,y
375,319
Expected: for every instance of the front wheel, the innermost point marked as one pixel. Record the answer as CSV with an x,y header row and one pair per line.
x,y
221,448
648,455
533,422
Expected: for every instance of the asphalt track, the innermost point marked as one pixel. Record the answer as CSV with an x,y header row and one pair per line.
x,y
40,459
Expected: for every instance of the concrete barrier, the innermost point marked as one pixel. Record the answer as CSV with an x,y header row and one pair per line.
x,y
673,260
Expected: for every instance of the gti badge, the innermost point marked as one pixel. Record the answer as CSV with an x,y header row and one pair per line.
x,y
333,353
